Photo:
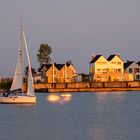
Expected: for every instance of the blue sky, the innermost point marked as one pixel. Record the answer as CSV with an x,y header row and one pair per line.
x,y
73,28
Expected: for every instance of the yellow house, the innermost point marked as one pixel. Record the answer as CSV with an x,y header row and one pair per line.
x,y
58,73
98,68
110,69
115,68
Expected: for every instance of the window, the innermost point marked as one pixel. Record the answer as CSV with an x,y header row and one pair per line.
x,y
137,77
130,70
101,63
119,70
136,70
104,70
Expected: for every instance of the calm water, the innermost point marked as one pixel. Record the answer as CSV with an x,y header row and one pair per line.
x,y
76,116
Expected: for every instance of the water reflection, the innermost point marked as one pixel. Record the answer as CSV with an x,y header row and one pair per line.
x,y
107,106
59,98
105,96
115,92
83,116
53,98
97,133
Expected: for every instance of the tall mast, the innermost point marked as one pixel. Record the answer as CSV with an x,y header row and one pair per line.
x,y
53,73
22,45
19,71
65,72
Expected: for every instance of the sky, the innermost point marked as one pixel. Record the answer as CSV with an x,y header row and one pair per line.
x,y
73,28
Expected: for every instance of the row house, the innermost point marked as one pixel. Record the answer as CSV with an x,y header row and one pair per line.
x,y
110,69
58,73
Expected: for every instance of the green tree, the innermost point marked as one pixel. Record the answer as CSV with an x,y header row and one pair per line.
x,y
43,55
6,85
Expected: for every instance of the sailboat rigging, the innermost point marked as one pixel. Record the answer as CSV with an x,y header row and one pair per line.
x,y
12,97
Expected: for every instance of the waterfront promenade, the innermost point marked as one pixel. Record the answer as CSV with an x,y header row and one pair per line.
x,y
84,87
88,87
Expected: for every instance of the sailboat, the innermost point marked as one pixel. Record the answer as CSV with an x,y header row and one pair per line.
x,y
15,94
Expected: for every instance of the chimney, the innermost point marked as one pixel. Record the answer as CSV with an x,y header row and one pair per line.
x,y
118,55
92,56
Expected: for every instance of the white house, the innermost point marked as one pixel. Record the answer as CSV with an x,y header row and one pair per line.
x,y
38,78
133,68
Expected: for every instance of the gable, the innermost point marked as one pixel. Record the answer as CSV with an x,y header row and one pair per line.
x,y
50,70
127,64
98,58
44,67
111,57
131,64
114,58
59,66
95,58
101,59
73,68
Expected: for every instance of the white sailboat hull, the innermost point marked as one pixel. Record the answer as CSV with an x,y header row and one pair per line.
x,y
18,100
29,97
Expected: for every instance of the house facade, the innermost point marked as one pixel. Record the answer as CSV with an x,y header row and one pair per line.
x,y
110,69
98,68
133,68
58,73
38,78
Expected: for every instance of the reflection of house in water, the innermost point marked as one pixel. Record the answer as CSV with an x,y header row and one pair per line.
x,y
61,99
58,73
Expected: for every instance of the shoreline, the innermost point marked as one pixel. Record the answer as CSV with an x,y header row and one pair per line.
x,y
93,90
88,87
83,90
84,87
